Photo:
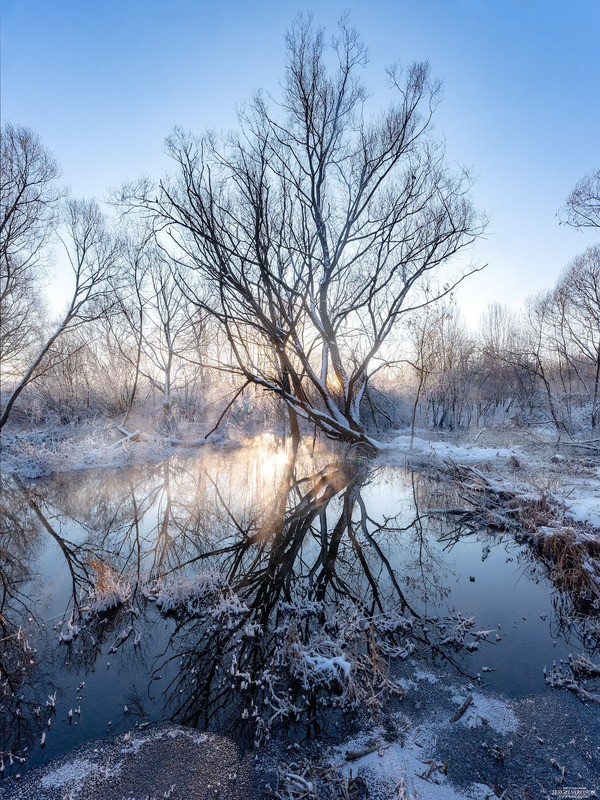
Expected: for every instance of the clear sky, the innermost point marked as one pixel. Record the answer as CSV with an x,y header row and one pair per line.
x,y
104,81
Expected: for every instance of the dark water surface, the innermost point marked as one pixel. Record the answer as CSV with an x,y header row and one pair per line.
x,y
239,590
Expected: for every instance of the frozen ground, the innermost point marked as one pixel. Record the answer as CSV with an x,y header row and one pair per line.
x,y
543,747
166,761
528,465
47,450
514,747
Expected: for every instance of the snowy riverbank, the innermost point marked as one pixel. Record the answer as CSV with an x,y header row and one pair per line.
x,y
443,736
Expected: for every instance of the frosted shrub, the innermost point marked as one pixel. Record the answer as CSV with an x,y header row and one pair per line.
x,y
182,592
110,589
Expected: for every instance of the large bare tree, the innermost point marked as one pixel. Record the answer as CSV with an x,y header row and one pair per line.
x,y
313,225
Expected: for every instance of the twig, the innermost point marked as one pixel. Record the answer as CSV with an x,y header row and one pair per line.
x,y
463,708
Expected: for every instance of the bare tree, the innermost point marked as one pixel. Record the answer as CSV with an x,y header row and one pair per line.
x,y
424,344
499,383
581,282
572,315
29,195
313,224
442,359
168,340
582,209
123,331
157,333
93,254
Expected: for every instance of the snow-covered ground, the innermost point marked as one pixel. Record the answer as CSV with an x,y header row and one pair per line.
x,y
529,466
542,747
155,763
44,451
530,748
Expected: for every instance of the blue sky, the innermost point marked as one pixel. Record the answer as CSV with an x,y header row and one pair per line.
x,y
103,82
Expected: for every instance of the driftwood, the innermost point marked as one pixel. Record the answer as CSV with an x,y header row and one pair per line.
x,y
354,755
463,708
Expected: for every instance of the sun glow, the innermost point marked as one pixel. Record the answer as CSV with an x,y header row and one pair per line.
x,y
273,454
332,382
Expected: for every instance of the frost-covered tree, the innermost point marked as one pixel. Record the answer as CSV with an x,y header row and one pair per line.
x,y
571,314
313,225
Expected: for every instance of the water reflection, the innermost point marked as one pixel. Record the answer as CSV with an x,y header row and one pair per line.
x,y
236,590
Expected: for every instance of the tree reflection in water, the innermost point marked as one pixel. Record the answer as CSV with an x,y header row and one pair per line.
x,y
291,595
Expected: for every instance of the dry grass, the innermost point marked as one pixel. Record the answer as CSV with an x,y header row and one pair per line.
x,y
570,551
109,588
573,561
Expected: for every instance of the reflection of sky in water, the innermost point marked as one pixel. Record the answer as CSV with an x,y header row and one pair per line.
x,y
194,514
505,596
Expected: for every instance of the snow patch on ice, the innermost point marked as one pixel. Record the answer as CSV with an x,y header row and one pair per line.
x,y
75,772
408,770
425,675
134,745
488,711
194,736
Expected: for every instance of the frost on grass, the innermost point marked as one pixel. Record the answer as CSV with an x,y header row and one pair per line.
x,y
206,594
579,675
183,592
109,589
313,659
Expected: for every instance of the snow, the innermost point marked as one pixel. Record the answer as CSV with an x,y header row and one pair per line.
x,y
71,633
573,481
334,667
182,591
445,450
488,711
74,774
584,504
412,765
65,448
134,745
397,768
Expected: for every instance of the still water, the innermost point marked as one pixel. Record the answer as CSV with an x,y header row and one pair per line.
x,y
250,590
